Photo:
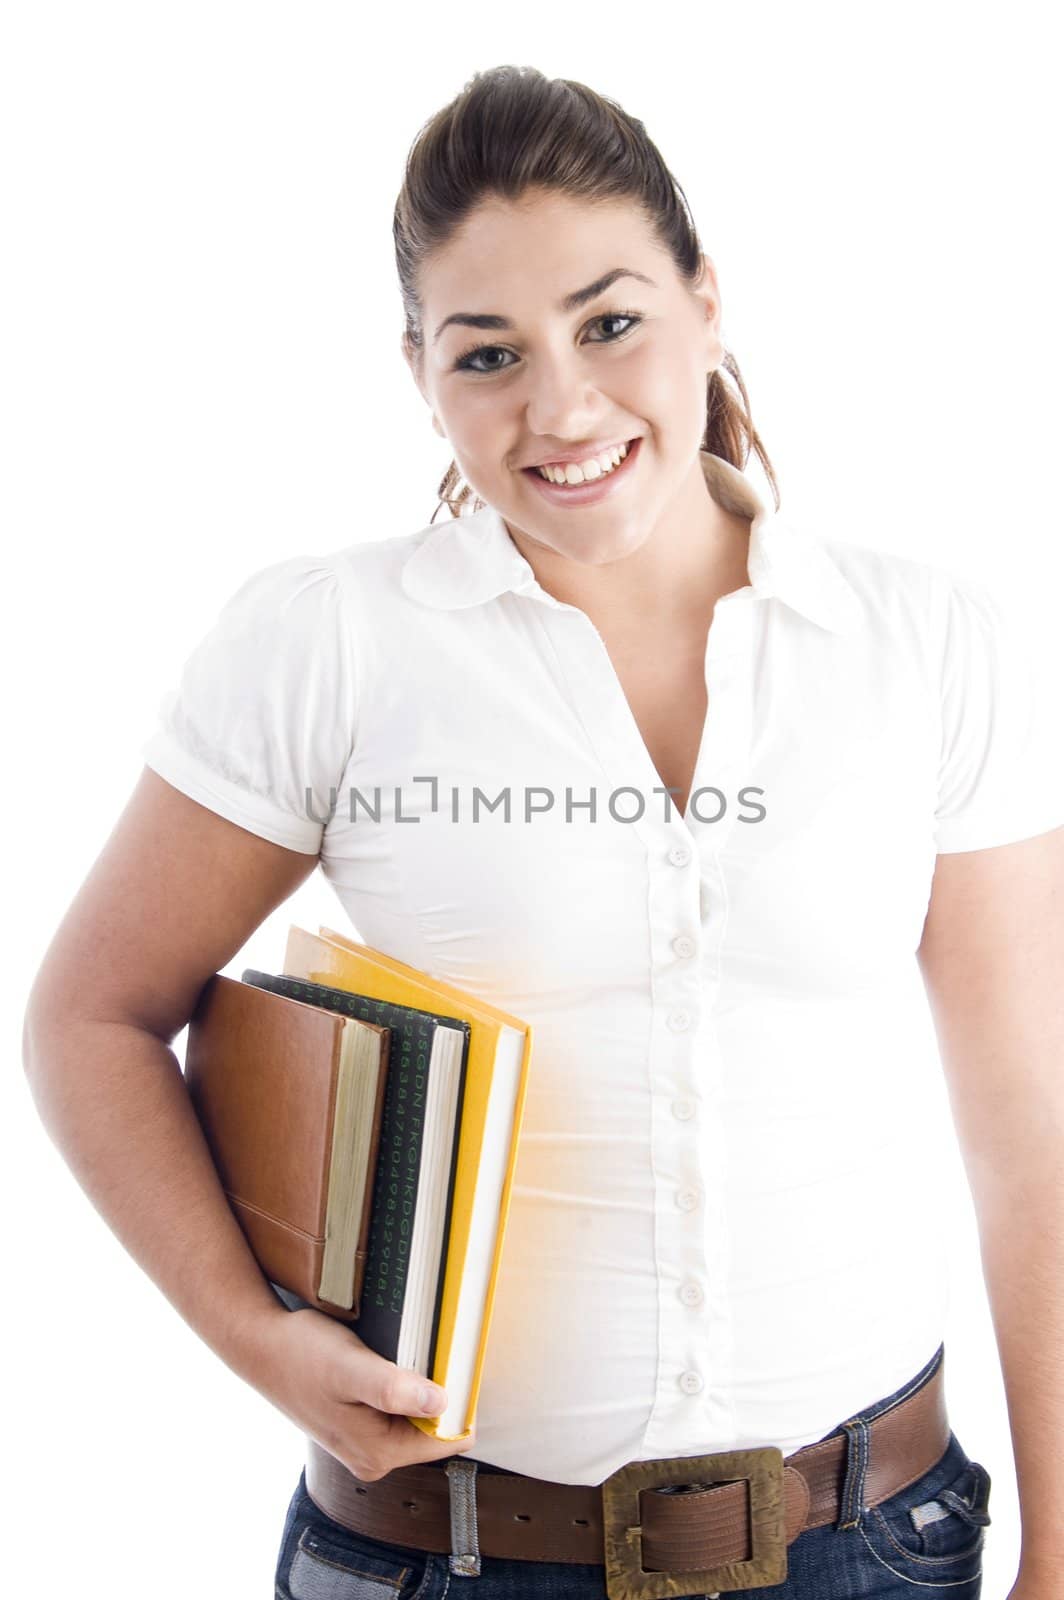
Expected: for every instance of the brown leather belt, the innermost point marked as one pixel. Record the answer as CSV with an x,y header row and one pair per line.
x,y
732,1536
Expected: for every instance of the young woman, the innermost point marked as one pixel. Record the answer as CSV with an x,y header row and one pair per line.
x,y
763,790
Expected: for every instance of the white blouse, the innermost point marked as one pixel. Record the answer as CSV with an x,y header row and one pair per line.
x,y
720,1233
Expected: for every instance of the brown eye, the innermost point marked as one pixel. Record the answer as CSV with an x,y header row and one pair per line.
x,y
616,316
465,362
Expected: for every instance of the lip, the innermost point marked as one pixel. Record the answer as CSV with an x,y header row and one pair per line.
x,y
583,453
590,493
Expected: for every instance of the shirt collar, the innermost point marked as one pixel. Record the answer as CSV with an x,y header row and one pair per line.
x,y
472,559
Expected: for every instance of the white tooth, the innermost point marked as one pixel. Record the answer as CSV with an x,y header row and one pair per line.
x,y
596,467
587,472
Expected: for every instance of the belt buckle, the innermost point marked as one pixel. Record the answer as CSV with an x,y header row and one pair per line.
x,y
628,1579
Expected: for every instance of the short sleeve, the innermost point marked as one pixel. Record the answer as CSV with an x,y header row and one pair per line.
x,y
260,726
1001,774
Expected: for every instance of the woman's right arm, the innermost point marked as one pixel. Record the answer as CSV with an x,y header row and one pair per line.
x,y
174,895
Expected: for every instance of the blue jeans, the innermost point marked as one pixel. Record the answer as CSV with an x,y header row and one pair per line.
x,y
889,1553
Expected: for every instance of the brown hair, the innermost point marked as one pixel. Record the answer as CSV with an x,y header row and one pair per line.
x,y
511,129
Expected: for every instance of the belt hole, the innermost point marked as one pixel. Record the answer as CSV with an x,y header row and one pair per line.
x,y
522,1516
581,1522
410,1505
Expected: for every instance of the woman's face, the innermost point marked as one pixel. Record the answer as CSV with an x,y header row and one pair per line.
x,y
630,362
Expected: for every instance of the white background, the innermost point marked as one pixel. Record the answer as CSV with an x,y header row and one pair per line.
x,y
201,375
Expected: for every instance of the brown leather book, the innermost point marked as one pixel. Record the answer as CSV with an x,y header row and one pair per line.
x,y
290,1098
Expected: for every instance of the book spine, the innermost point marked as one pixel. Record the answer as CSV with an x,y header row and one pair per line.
x,y
398,1169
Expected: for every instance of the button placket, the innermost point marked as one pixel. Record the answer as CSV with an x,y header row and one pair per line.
x,y
680,856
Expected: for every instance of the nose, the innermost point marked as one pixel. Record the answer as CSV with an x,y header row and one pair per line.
x,y
561,399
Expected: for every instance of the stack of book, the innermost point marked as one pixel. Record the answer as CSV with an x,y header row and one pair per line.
x,y
363,1118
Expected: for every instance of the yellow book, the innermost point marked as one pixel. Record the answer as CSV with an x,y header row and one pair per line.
x,y
500,1050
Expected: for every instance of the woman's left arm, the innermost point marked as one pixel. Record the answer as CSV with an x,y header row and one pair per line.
x,y
992,959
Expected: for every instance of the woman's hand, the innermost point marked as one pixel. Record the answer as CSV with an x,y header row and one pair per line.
x,y
355,1403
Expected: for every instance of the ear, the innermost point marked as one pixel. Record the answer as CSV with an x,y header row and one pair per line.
x,y
408,356
708,294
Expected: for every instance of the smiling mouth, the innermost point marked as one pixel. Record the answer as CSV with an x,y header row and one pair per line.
x,y
595,468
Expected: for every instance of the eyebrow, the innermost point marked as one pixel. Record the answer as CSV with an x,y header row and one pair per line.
x,y
579,297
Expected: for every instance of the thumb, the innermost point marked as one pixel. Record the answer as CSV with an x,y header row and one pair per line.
x,y
382,1384
429,1400
406,1393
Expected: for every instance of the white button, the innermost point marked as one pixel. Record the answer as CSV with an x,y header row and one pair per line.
x,y
683,1110
684,945
687,1199
679,1021
691,1293
679,855
690,1382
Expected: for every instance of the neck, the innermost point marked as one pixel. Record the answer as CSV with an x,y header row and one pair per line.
x,y
696,552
